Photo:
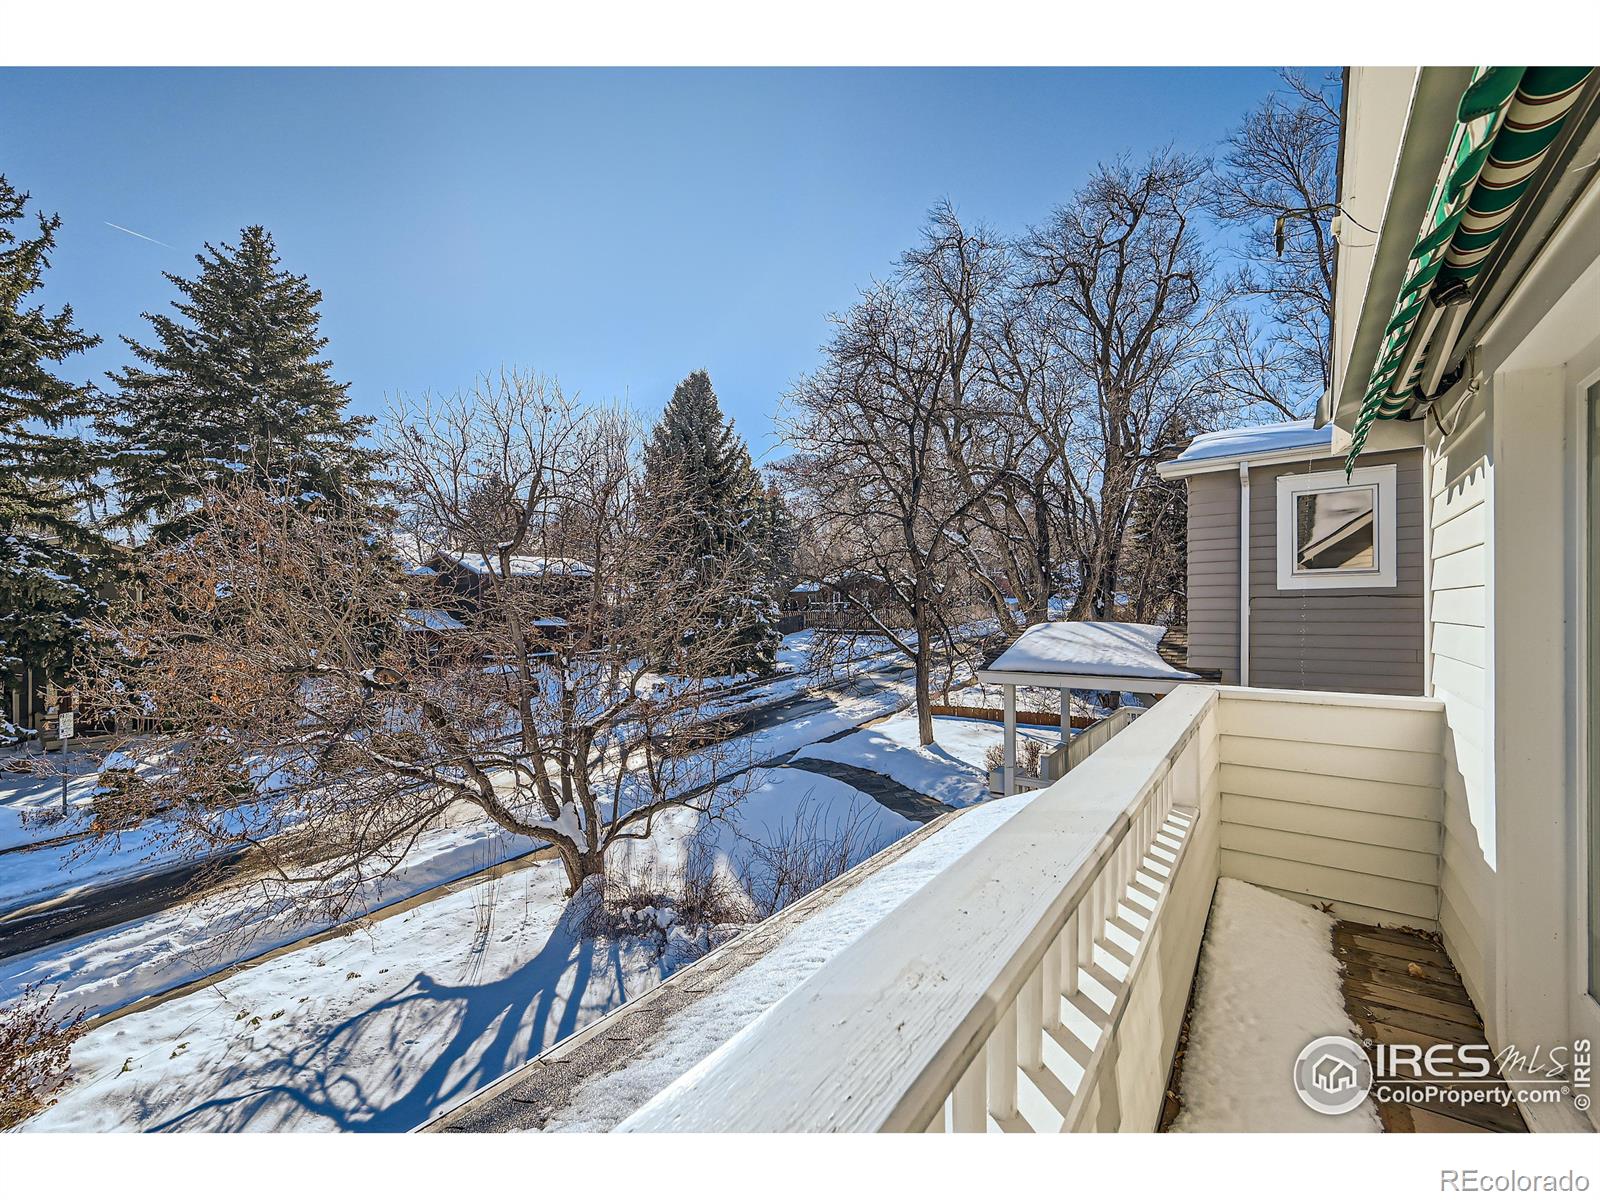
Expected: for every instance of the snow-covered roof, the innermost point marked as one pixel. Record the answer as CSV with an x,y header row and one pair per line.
x,y
1099,650
433,620
1224,446
521,565
807,586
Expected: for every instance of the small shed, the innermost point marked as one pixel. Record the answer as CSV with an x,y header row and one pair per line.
x,y
1067,656
1298,575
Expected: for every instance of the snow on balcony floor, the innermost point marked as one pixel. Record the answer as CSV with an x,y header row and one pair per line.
x,y
1268,984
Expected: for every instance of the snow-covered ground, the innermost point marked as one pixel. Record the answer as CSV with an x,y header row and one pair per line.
x,y
30,796
105,970
1268,985
29,803
697,1031
383,1026
321,1036
964,739
376,1029
952,770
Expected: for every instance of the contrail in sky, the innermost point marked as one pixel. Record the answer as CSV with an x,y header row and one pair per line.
x,y
137,234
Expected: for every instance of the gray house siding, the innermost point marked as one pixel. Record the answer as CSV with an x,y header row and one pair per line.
x,y
1360,640
1214,573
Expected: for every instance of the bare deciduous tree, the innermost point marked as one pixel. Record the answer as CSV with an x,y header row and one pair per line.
x,y
1278,182
1125,281
891,453
327,709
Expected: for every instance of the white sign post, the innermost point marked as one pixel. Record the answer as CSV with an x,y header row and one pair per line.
x,y
68,727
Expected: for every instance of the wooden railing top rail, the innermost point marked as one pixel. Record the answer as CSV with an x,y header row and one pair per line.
x,y
880,1035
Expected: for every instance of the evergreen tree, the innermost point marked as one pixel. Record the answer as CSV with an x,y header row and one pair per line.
x,y
51,558
711,504
780,540
233,385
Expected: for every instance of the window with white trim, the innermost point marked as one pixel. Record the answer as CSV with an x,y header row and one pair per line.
x,y
1335,532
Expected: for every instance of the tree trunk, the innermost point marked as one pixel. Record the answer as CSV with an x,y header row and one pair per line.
x,y
924,689
1039,610
580,866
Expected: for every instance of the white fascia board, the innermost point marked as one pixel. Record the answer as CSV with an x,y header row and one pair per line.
x,y
1256,458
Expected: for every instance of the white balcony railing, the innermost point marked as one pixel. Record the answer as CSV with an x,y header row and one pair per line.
x,y
1035,984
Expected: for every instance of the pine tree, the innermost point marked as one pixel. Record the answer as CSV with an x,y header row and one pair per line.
x,y
52,560
712,507
233,385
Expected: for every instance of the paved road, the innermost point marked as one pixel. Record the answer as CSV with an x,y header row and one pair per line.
x,y
894,796
110,904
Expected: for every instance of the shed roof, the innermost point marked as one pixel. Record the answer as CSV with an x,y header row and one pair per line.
x,y
1098,655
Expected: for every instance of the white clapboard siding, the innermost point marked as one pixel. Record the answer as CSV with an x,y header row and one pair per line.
x,y
1316,820
1360,856
1415,768
1405,903
1335,800
1420,803
1458,514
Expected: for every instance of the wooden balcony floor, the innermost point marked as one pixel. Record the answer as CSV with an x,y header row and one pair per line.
x,y
1400,987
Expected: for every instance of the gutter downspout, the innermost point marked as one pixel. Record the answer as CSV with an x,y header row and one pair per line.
x,y
1244,574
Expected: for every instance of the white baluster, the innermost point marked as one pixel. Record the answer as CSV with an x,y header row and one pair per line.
x,y
1001,1054
969,1106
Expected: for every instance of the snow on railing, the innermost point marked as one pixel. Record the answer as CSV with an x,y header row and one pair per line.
x,y
994,998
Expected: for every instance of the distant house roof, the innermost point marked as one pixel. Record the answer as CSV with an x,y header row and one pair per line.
x,y
807,586
1086,654
520,565
431,620
1266,443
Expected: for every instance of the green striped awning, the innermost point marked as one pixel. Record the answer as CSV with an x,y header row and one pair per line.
x,y
1507,120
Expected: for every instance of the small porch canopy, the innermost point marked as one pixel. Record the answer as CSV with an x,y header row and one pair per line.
x,y
1093,656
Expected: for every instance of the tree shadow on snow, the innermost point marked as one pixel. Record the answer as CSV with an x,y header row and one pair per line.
x,y
493,1027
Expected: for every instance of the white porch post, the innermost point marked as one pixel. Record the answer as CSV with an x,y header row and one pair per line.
x,y
1008,778
1066,715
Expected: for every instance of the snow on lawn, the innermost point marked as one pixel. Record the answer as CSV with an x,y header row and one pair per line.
x,y
377,1029
384,1026
695,1032
30,803
966,739
110,968
1268,984
951,770
785,804
114,967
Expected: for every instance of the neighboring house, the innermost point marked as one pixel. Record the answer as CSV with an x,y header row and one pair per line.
x,y
467,574
838,604
1318,577
454,584
1038,979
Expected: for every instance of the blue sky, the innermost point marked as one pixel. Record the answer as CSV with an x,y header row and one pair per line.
x,y
615,228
